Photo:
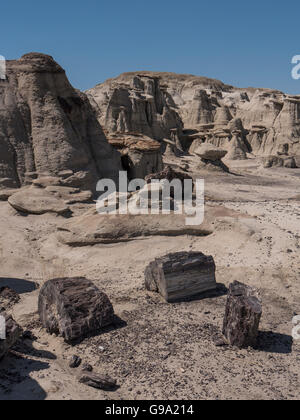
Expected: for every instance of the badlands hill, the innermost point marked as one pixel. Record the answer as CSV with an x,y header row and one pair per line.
x,y
46,126
265,121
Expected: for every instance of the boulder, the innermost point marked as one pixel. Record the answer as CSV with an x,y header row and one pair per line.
x,y
74,308
12,332
37,201
209,152
181,275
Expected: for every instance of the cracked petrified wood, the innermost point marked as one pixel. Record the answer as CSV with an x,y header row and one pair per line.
x,y
181,275
12,333
74,308
242,317
97,381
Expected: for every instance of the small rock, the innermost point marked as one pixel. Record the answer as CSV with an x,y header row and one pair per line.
x,y
75,362
99,382
28,335
220,342
87,368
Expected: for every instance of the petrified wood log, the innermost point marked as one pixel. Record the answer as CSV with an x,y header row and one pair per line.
x,y
98,381
181,275
12,333
242,316
74,308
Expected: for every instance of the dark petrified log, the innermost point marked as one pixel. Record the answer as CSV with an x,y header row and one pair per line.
x,y
98,381
181,275
74,308
12,332
242,316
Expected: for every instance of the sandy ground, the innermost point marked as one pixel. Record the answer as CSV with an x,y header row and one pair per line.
x,y
159,350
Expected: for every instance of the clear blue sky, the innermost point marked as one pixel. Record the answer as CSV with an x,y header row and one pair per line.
x,y
244,43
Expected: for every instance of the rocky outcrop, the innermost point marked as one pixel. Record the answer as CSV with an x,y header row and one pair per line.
x,y
140,155
74,308
210,157
268,118
48,126
135,104
279,162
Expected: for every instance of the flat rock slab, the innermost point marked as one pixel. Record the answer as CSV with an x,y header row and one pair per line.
x,y
74,308
93,228
70,195
34,200
210,152
242,316
181,275
13,332
103,382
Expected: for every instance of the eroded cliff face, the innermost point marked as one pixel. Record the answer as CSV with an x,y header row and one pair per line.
x,y
260,121
46,126
135,104
269,120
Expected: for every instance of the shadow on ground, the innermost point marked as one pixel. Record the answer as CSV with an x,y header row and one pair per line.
x,y
20,286
16,383
271,342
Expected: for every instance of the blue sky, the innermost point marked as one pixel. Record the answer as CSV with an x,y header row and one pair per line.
x,y
241,43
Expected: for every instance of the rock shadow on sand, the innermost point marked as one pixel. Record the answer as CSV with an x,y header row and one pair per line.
x,y
20,286
271,342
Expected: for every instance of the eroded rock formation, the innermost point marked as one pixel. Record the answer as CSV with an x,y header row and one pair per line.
x,y
266,119
48,126
135,104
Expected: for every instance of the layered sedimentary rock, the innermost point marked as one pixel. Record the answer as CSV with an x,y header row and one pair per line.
x,y
135,104
140,155
210,157
48,126
279,162
267,119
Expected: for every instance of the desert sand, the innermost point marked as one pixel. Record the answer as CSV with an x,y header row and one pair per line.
x,y
158,350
